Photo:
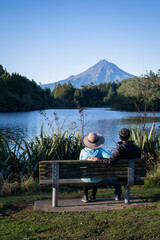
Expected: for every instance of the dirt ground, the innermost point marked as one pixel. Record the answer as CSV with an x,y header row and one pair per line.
x,y
76,205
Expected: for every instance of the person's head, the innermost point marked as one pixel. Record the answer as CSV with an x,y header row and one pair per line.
x,y
93,140
124,134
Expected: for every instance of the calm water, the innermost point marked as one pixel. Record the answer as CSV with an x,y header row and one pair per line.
x,y
102,120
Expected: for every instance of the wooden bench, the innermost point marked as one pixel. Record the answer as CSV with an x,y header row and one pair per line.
x,y
69,173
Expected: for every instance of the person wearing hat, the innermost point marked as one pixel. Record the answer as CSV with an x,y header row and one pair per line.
x,y
93,143
125,150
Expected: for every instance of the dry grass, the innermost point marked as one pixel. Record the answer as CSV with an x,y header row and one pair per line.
x,y
28,184
8,188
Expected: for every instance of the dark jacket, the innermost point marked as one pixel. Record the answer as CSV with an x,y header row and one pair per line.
x,y
125,150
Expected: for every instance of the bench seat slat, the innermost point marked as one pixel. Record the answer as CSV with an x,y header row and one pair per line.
x,y
50,177
78,182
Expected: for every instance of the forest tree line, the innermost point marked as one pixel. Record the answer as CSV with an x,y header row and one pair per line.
x,y
143,92
17,93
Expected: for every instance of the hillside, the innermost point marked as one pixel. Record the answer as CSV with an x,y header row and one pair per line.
x,y
17,93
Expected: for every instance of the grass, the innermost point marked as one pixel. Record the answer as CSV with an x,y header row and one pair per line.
x,y
130,224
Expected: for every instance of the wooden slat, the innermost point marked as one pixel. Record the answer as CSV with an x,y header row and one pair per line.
x,y
89,169
83,169
78,182
85,161
45,181
47,176
91,165
97,176
80,161
45,173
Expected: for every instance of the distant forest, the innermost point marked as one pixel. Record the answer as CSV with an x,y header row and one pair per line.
x,y
17,93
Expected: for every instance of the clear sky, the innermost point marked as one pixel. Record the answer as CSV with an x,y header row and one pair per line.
x,y
49,40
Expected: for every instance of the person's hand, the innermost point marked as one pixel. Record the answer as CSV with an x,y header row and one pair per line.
x,y
93,159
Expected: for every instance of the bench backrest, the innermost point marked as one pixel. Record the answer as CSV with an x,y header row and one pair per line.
x,y
65,171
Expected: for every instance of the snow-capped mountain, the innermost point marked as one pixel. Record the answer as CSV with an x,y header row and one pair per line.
x,y
102,72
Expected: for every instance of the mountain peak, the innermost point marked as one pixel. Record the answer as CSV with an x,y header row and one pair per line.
x,y
101,72
103,61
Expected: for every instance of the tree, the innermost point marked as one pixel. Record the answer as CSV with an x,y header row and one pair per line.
x,y
2,71
144,89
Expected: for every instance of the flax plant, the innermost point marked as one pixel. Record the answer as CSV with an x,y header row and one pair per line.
x,y
11,158
148,141
21,159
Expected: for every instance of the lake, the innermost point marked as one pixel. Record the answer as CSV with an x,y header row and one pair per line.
x,y
105,121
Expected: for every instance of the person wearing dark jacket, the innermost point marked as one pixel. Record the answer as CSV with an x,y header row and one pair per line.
x,y
125,150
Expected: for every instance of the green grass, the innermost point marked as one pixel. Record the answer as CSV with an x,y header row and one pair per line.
x,y
137,223
130,224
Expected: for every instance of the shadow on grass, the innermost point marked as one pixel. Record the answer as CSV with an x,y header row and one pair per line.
x,y
8,209
153,198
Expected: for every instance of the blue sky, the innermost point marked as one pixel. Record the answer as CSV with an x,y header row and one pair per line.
x,y
49,40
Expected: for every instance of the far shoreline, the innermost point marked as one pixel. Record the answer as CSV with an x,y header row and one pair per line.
x,y
107,108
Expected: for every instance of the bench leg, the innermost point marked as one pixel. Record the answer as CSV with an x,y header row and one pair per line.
x,y
127,195
55,197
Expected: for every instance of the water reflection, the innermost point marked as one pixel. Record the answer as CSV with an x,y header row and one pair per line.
x,y
105,121
14,132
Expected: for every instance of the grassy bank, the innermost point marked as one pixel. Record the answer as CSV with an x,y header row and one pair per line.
x,y
20,221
